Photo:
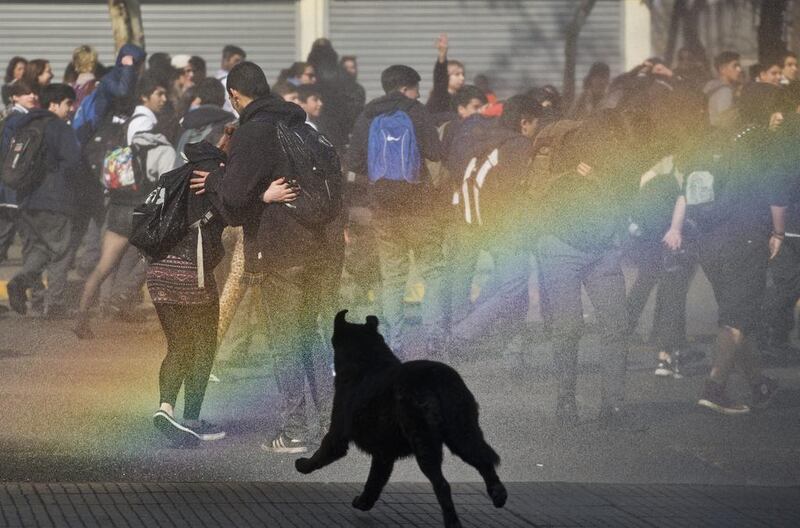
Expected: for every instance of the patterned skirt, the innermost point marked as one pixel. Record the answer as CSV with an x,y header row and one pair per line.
x,y
173,280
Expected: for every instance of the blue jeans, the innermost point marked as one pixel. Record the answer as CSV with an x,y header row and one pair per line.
x,y
565,269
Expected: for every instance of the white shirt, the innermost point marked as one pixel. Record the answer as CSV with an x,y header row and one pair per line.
x,y
143,120
222,76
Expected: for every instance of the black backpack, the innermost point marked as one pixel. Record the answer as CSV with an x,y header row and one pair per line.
x,y
316,170
24,162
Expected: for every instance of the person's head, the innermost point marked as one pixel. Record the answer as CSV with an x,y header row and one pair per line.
x,y
788,61
521,114
482,82
21,93
151,92
598,78
728,67
309,99
15,69
350,65
246,83
84,58
38,73
198,64
70,75
401,78
455,76
469,100
209,91
183,71
59,99
287,91
550,99
231,56
769,72
759,102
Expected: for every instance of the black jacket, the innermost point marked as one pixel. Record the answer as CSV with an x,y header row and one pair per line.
x,y
440,102
273,239
397,197
198,119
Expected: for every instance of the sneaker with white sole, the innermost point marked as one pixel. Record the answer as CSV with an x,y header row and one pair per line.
x,y
174,430
715,399
668,368
283,444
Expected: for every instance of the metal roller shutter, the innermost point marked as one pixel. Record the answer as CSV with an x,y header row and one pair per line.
x,y
266,30
518,44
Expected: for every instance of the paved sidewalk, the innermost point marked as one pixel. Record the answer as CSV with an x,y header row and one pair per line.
x,y
403,504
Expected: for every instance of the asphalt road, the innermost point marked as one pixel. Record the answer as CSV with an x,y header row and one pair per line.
x,y
80,411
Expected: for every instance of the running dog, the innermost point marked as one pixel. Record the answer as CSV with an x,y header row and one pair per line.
x,y
393,410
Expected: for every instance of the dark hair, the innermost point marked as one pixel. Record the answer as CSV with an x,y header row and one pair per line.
x,y
395,77
230,50
467,93
598,69
724,58
56,93
70,74
324,59
284,88
198,64
21,87
517,108
292,72
148,83
210,91
33,70
12,64
346,58
785,55
761,67
248,79
549,97
304,91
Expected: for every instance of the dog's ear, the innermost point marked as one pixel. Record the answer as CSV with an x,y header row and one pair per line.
x,y
372,322
340,322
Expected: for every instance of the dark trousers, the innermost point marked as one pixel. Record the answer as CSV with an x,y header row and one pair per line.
x,y
462,247
400,237
8,230
783,291
669,319
293,304
564,270
191,332
46,238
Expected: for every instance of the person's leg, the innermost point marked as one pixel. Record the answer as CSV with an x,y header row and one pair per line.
x,y
669,322
561,267
129,278
429,262
394,255
203,321
58,272
283,295
92,245
8,230
114,246
647,275
784,292
605,285
179,334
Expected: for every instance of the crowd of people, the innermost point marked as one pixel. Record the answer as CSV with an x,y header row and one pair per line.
x,y
677,167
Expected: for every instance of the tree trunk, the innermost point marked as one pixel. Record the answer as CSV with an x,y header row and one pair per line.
x,y
126,22
691,27
579,17
770,29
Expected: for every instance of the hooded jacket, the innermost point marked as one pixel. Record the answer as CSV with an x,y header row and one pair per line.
x,y
196,121
62,183
390,197
273,239
119,82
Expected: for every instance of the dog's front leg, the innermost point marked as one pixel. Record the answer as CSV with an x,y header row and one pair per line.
x,y
330,450
379,473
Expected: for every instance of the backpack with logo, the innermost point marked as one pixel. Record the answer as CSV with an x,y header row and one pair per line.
x,y
547,166
124,166
702,190
110,134
393,153
24,162
315,170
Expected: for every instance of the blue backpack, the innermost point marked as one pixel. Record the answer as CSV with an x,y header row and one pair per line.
x,y
393,153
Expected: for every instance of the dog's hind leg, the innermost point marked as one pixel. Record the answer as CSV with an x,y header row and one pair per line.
x,y
379,473
473,449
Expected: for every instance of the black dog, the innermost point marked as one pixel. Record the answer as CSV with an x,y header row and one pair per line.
x,y
394,410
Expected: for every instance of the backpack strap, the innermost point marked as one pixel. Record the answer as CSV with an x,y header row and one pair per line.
x,y
204,220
